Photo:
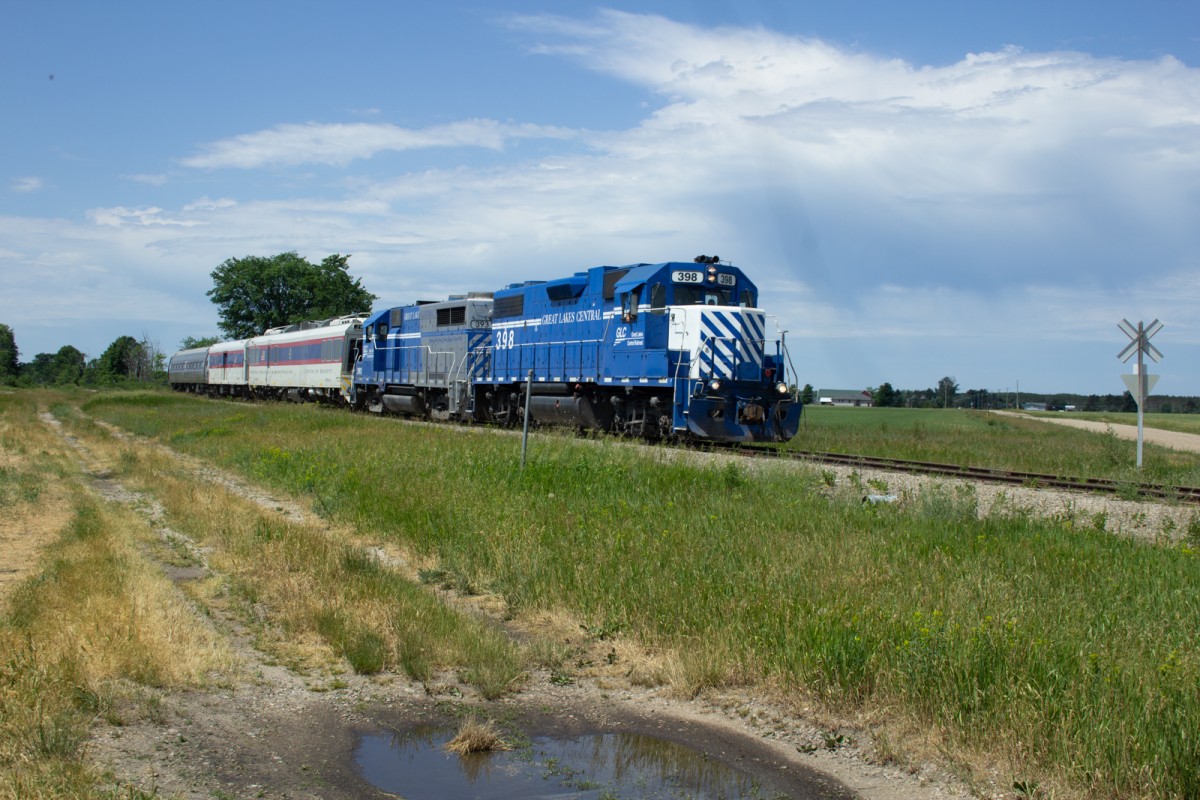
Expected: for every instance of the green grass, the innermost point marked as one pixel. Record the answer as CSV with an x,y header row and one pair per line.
x,y
1066,652
984,439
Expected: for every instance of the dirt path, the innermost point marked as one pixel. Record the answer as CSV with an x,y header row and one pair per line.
x,y
1176,440
277,733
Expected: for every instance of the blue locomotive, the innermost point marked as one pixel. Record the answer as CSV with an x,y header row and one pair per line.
x,y
651,350
421,359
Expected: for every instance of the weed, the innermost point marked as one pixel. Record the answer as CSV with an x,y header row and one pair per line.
x,y
1128,490
367,653
957,505
603,631
1193,530
834,741
733,475
560,678
476,737
366,650
1026,789
439,577
1113,451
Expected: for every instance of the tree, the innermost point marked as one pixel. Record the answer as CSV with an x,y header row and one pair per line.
x,y
884,396
128,359
806,394
121,361
191,342
65,366
947,388
9,365
255,293
153,366
978,398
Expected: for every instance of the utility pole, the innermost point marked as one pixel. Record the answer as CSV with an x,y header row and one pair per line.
x,y
525,427
1139,383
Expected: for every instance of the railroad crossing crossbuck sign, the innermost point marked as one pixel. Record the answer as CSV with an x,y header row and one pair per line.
x,y
1139,383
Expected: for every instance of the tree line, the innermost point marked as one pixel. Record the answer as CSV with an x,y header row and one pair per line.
x,y
126,359
947,395
252,294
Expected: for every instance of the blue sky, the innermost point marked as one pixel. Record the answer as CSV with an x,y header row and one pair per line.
x,y
981,190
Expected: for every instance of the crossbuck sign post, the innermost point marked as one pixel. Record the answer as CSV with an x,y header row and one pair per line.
x,y
1139,383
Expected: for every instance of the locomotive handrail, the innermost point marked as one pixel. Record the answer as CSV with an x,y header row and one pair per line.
x,y
430,351
735,342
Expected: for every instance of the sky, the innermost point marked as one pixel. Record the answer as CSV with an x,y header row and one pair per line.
x,y
924,189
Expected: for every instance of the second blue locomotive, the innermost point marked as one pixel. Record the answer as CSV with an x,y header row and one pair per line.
x,y
652,350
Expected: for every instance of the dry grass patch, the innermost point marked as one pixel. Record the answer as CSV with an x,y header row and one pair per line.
x,y
476,737
87,634
557,641
33,465
26,529
317,592
102,604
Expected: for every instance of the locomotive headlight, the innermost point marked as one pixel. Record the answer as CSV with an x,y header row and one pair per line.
x,y
715,385
781,388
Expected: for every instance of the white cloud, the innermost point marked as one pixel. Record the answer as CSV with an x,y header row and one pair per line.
x,y
207,204
151,216
26,185
986,216
340,143
149,179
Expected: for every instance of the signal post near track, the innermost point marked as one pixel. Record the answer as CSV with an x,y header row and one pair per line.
x,y
1139,383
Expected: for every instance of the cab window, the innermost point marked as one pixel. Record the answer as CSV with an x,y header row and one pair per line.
x,y
629,306
700,295
658,297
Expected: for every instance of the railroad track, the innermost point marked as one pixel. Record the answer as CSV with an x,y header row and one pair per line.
x,y
1037,480
1123,489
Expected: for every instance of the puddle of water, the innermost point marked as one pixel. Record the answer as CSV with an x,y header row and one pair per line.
x,y
600,766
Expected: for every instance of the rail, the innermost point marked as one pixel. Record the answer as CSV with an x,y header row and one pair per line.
x,y
1036,480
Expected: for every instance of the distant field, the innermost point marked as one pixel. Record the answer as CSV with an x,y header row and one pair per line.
x,y
981,438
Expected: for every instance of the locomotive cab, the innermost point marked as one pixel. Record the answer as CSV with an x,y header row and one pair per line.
x,y
699,326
